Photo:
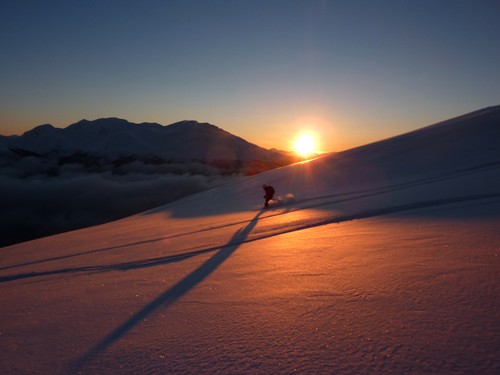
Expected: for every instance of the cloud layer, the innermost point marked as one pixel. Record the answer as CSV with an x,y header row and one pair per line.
x,y
38,197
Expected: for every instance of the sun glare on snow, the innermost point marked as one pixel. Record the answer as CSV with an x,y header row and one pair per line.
x,y
305,145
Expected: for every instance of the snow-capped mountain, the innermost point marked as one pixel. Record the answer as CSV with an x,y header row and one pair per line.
x,y
183,141
380,259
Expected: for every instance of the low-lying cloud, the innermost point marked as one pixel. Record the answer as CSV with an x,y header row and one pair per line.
x,y
40,199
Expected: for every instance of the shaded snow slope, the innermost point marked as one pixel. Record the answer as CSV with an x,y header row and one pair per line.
x,y
363,266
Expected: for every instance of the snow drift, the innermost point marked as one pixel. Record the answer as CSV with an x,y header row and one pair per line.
x,y
380,259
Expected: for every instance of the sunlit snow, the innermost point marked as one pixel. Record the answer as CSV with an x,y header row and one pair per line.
x,y
381,259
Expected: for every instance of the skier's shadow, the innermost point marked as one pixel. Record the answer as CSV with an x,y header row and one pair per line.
x,y
171,295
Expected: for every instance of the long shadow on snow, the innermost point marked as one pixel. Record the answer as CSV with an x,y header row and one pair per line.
x,y
239,239
349,196
170,296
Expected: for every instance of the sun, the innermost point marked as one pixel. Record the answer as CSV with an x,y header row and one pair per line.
x,y
305,145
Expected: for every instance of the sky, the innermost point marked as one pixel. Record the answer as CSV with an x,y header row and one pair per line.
x,y
349,72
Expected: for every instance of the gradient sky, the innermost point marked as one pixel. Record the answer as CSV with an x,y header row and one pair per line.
x,y
350,71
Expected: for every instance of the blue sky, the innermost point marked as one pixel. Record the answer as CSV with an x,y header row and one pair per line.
x,y
352,72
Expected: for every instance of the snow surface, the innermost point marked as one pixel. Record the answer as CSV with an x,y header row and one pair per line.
x,y
363,266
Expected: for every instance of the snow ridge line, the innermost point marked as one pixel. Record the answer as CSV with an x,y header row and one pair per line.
x,y
284,229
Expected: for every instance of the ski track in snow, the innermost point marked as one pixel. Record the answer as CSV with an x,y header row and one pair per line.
x,y
414,289
275,230
291,206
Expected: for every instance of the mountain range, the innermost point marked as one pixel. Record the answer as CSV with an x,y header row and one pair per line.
x,y
380,259
184,141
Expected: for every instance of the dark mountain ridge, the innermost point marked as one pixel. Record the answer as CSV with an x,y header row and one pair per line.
x,y
182,141
115,141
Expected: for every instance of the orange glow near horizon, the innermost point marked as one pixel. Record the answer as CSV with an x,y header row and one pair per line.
x,y
305,144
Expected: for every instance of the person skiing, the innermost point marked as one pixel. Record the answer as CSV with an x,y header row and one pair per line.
x,y
269,194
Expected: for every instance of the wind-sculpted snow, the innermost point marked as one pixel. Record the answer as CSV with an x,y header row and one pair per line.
x,y
385,271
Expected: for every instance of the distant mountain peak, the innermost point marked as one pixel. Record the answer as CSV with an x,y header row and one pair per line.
x,y
192,123
186,122
106,121
40,130
183,141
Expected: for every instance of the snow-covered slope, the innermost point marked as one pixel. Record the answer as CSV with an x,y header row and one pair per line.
x,y
381,259
185,140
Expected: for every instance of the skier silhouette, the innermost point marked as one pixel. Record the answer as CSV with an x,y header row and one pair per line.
x,y
269,194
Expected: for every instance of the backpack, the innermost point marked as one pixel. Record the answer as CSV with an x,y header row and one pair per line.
x,y
269,190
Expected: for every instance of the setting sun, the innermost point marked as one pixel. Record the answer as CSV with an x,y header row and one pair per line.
x,y
304,145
